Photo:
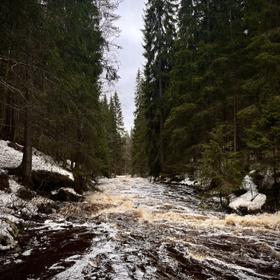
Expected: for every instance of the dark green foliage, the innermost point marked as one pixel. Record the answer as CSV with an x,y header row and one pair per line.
x,y
139,152
225,71
159,37
116,135
51,60
112,123
217,113
220,163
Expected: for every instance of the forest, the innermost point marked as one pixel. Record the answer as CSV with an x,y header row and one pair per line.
x,y
208,100
191,191
53,63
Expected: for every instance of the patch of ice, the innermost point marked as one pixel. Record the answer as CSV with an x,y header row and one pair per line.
x,y
54,226
56,267
54,192
3,172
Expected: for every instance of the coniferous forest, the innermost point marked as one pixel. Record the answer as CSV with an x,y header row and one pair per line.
x,y
208,99
53,65
185,184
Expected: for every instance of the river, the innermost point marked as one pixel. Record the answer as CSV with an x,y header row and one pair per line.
x,y
135,229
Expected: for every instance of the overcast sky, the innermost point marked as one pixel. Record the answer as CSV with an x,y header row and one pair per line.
x,y
131,54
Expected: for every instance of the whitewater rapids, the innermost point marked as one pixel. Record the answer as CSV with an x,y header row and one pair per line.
x,y
135,229
161,232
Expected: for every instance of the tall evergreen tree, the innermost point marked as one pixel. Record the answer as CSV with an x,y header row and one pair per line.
x,y
159,36
139,151
117,135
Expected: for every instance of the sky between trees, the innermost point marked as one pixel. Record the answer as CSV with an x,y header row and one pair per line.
x,y
131,55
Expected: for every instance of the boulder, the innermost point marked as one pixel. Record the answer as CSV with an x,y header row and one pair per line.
x,y
44,182
251,201
25,194
8,232
66,194
15,146
248,203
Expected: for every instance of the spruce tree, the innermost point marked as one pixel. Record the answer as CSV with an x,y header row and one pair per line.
x,y
159,36
139,153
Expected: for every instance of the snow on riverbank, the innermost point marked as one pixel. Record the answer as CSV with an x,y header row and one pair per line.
x,y
8,231
252,200
12,206
10,157
13,209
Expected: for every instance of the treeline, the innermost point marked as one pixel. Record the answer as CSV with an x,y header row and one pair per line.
x,y
208,102
53,63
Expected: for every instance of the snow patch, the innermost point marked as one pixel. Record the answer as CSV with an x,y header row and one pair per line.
x,y
8,231
72,191
188,181
252,200
14,186
27,253
248,184
11,158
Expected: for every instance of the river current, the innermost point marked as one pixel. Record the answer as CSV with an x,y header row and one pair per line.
x,y
135,229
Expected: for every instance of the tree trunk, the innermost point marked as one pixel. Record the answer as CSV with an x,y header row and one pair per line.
x,y
25,167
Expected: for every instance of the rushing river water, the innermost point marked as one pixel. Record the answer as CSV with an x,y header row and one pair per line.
x,y
138,230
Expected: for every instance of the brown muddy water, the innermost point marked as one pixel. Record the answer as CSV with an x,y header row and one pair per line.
x,y
135,229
